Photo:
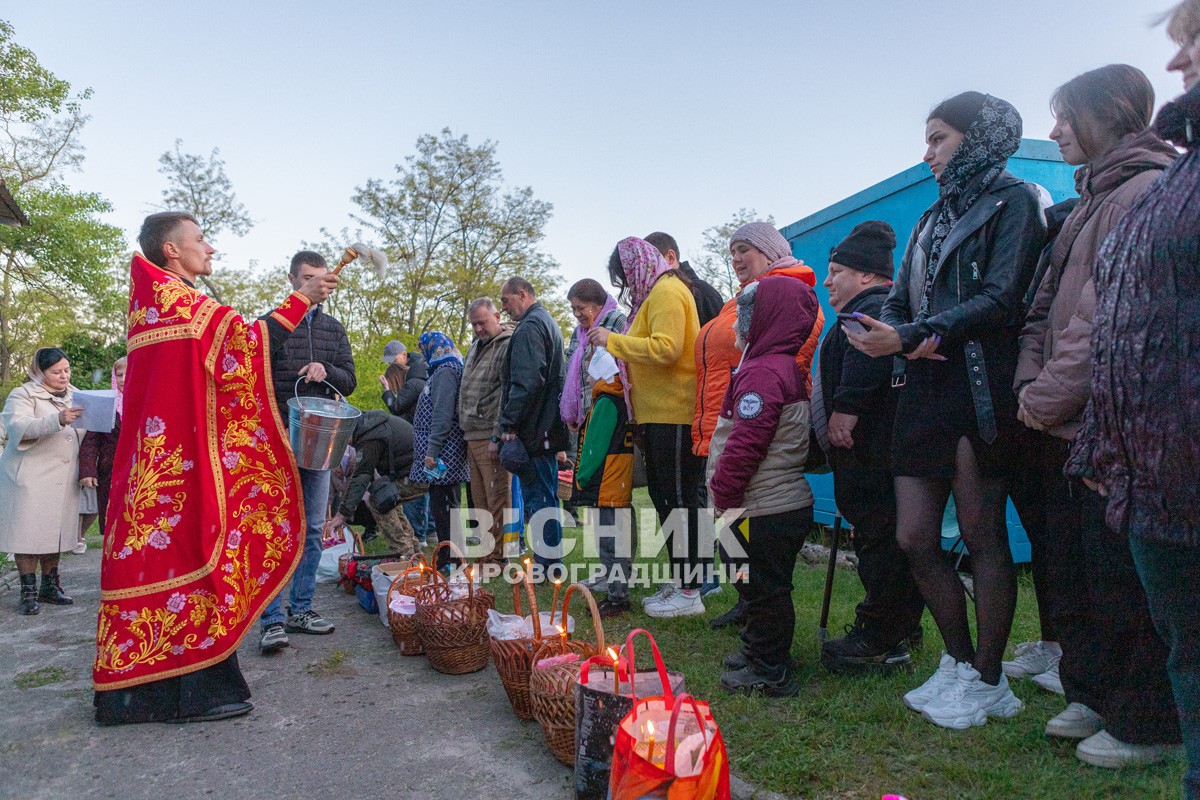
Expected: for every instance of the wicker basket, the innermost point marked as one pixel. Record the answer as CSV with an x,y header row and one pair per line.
x,y
514,657
553,689
566,484
344,561
404,626
453,630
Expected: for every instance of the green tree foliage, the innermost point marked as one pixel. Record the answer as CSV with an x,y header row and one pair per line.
x,y
59,270
453,232
715,264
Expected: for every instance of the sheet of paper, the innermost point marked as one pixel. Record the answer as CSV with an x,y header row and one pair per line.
x,y
99,409
603,366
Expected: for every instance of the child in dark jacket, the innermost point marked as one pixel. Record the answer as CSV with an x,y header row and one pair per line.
x,y
96,454
756,464
604,480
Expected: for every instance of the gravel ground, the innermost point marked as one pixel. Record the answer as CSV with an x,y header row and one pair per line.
x,y
339,716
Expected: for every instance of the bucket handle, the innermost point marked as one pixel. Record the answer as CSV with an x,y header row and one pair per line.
x,y
296,388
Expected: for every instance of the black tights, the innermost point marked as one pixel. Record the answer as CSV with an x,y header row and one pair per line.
x,y
980,504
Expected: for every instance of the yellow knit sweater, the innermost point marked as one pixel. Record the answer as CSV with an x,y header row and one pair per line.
x,y
660,353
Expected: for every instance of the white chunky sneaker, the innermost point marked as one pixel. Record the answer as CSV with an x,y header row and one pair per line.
x,y
1105,750
677,604
1032,658
1050,680
932,689
1076,721
664,591
970,701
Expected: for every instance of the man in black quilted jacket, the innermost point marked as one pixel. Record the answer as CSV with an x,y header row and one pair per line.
x,y
318,355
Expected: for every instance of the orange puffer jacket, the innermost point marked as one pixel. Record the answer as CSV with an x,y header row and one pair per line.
x,y
717,358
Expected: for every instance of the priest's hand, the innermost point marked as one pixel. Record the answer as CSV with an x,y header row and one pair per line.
x,y
313,373
319,287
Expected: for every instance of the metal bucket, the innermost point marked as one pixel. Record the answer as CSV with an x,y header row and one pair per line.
x,y
319,429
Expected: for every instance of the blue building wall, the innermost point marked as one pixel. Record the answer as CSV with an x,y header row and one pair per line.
x,y
900,200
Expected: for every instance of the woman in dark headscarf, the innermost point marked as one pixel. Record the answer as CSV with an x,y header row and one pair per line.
x,y
954,314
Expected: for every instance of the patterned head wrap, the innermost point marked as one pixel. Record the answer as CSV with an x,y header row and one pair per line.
x,y
980,158
763,237
437,348
643,266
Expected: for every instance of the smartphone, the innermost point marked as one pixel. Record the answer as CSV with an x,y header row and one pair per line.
x,y
852,323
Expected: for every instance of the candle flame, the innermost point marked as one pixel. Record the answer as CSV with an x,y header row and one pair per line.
x,y
557,583
613,655
650,728
561,629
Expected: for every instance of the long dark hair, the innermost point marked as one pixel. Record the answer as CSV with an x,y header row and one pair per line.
x,y
1115,100
395,375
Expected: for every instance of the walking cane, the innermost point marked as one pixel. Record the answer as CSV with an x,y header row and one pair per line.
x,y
823,630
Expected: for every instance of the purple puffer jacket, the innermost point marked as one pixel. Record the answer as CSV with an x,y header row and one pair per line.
x,y
757,453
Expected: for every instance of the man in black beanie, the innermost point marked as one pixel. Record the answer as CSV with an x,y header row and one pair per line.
x,y
853,407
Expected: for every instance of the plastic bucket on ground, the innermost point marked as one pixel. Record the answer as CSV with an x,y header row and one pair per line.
x,y
319,429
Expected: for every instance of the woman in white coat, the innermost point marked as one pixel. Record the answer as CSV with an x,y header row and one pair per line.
x,y
38,475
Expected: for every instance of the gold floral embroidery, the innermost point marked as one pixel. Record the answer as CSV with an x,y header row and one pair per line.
x,y
155,473
168,305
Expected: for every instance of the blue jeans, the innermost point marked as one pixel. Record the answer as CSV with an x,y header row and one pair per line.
x,y
1170,574
539,489
315,486
419,517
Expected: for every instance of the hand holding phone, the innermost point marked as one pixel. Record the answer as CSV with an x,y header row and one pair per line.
x,y
851,322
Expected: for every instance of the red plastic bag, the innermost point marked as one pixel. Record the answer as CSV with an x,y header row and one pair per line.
x,y
669,747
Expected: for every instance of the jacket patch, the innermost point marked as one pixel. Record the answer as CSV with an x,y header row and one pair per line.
x,y
750,405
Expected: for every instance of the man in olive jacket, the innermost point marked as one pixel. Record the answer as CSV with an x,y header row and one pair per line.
x,y
532,377
479,413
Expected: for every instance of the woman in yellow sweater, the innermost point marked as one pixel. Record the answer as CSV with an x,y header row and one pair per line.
x,y
656,353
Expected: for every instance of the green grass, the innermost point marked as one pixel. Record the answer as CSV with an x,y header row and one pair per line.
x,y
852,737
44,676
335,664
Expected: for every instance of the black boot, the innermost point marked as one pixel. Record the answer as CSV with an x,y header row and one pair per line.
x,y
734,616
51,591
773,681
28,603
858,651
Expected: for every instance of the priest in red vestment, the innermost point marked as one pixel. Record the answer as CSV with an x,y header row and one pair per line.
x,y
205,517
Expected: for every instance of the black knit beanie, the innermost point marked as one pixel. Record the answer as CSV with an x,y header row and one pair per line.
x,y
960,111
868,248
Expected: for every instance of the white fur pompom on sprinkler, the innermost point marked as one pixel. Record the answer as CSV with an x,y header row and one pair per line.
x,y
378,258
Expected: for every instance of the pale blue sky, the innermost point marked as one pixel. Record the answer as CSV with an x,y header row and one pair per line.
x,y
628,117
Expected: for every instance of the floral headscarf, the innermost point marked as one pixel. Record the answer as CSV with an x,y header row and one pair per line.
x,y
438,348
643,266
980,158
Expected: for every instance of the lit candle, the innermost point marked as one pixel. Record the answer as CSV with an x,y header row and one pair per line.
x,y
650,740
563,633
616,673
554,602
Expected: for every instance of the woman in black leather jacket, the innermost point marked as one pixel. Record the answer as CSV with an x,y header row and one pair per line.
x,y
954,314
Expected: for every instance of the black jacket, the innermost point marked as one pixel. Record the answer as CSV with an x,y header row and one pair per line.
x,y
977,302
708,300
854,383
532,381
404,403
321,338
384,444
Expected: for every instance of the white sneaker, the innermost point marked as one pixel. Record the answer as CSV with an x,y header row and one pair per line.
x,y
1050,681
931,689
970,701
80,548
664,591
1076,721
677,604
1032,658
1105,750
